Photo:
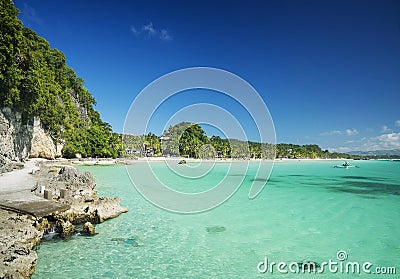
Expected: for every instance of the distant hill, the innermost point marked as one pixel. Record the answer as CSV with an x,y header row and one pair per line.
x,y
380,153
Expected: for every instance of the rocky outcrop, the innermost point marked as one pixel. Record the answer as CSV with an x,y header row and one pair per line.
x,y
78,185
70,186
43,145
42,225
75,189
88,229
17,238
95,210
75,100
65,228
6,166
109,208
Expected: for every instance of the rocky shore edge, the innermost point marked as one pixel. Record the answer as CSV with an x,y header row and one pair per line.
x,y
20,233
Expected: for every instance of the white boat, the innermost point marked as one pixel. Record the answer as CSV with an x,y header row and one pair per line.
x,y
345,165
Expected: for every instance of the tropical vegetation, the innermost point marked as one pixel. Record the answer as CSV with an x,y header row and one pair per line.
x,y
189,140
36,82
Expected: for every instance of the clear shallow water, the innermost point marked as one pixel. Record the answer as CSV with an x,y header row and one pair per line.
x,y
309,210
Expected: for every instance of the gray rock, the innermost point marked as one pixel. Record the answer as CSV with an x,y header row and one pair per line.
x,y
18,236
65,228
73,177
15,138
77,185
88,229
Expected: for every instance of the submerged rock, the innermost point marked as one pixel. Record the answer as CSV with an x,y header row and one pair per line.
x,y
129,241
20,233
215,229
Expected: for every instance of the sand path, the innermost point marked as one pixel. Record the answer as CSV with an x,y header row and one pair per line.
x,y
18,180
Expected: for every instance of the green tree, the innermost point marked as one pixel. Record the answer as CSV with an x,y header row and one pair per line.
x,y
170,142
36,81
152,145
191,140
11,56
221,146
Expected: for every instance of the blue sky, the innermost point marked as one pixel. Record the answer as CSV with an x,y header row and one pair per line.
x,y
329,71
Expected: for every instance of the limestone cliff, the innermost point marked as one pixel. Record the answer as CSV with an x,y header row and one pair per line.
x,y
42,144
14,136
15,139
19,141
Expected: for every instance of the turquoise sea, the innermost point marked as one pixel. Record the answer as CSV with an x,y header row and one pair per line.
x,y
309,211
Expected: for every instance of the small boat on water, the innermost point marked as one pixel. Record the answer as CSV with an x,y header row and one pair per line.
x,y
345,165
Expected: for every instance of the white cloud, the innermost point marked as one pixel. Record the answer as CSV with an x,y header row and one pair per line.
x,y
385,129
165,35
389,141
339,149
397,123
386,141
134,30
331,133
351,132
347,132
149,31
382,142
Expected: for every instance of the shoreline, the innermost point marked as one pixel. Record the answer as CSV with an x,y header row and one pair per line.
x,y
129,161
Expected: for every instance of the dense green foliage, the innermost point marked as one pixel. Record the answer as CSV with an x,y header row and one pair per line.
x,y
170,139
36,81
293,151
152,144
133,145
189,140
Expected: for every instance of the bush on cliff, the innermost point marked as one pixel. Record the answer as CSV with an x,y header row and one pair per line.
x,y
36,81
